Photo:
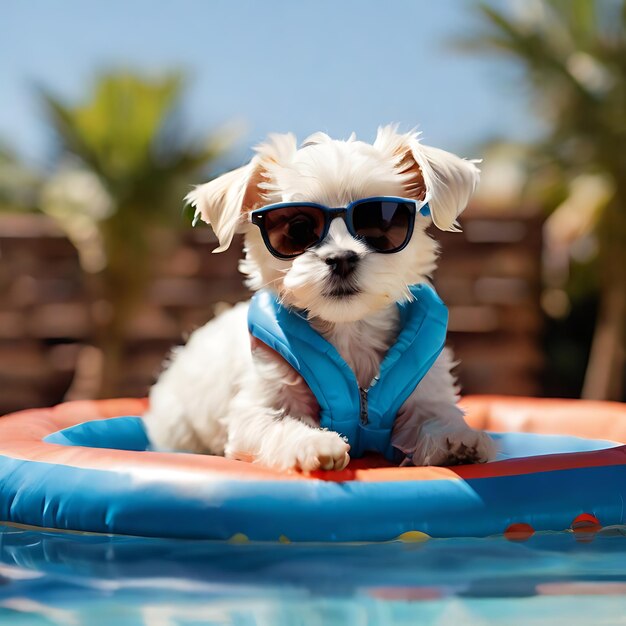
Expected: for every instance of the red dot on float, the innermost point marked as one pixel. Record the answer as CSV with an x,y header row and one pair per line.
x,y
519,532
586,523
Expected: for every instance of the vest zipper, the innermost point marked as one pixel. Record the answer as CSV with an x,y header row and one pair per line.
x,y
363,405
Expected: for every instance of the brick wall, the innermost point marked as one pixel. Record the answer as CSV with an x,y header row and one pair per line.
x,y
488,276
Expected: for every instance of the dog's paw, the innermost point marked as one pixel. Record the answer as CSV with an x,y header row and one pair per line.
x,y
440,445
324,449
319,450
307,449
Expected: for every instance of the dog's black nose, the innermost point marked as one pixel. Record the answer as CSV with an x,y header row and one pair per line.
x,y
343,265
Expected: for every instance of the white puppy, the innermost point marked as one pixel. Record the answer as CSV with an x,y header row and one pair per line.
x,y
220,397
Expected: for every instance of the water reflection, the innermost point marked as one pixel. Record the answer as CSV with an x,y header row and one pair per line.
x,y
56,578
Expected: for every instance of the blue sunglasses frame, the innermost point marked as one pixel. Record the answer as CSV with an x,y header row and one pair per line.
x,y
257,218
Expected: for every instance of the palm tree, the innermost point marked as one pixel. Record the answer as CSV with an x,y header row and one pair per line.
x,y
19,184
125,164
574,56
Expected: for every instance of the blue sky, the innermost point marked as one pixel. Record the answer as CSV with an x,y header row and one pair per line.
x,y
273,65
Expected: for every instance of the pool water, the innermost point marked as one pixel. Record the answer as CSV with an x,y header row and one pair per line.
x,y
74,580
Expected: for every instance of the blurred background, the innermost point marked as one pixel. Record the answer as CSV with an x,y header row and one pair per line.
x,y
112,110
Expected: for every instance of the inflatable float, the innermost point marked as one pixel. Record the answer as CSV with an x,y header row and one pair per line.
x,y
88,467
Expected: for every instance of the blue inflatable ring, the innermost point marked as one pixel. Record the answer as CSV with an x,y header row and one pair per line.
x,y
87,467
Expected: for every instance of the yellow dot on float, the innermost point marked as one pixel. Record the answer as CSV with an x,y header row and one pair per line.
x,y
283,539
239,538
413,536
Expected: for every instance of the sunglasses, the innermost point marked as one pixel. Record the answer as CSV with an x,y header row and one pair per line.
x,y
385,224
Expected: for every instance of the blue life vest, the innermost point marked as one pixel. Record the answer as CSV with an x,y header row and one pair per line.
x,y
364,416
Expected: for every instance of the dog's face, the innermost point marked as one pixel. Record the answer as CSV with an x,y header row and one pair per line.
x,y
342,279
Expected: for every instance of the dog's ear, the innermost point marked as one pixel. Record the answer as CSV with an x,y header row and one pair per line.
x,y
224,201
443,179
449,183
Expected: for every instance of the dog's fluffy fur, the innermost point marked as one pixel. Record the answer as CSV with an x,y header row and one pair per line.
x,y
218,396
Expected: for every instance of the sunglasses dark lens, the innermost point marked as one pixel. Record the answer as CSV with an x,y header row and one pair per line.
x,y
383,224
291,230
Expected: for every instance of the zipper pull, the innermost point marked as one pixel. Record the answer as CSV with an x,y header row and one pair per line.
x,y
363,405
